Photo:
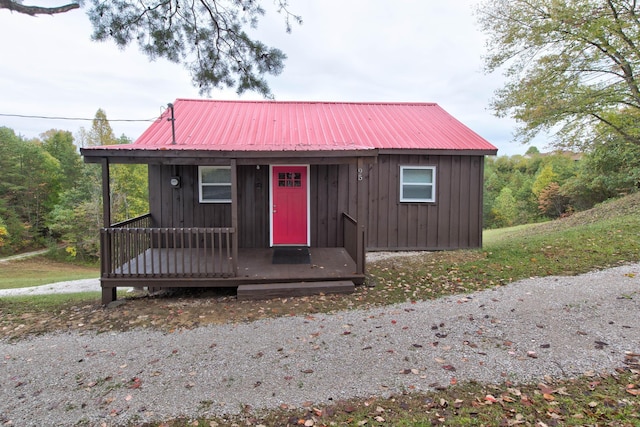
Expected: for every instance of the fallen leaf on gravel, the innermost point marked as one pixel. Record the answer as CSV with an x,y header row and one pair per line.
x,y
135,383
449,368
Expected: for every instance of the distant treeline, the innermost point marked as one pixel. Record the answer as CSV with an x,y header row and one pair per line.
x,y
48,195
537,187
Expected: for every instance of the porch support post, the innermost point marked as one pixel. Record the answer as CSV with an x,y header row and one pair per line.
x,y
106,194
234,213
108,294
361,215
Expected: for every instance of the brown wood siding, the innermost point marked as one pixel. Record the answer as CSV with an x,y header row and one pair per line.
x,y
453,221
253,206
333,192
181,207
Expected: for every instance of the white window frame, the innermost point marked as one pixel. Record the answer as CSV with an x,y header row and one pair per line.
x,y
205,184
404,199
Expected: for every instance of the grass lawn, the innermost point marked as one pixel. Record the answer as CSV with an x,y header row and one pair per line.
x,y
40,271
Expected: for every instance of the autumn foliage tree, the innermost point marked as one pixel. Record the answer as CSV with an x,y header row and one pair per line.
x,y
571,66
551,202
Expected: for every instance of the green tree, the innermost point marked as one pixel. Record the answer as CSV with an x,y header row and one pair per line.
x,y
543,179
570,65
209,37
101,132
505,208
41,177
29,188
77,218
60,145
129,189
611,168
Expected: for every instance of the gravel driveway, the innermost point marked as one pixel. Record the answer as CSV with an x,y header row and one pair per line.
x,y
557,326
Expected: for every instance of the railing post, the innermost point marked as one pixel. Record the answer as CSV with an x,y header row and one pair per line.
x,y
234,215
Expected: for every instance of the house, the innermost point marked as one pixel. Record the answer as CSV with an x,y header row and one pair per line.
x,y
248,194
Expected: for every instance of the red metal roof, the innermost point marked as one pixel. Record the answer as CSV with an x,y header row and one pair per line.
x,y
307,126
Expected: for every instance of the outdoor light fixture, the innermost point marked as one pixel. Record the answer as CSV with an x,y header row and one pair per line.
x,y
175,181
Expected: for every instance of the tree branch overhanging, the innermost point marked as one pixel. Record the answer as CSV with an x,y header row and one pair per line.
x,y
14,6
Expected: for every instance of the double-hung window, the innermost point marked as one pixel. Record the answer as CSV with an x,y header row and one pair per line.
x,y
214,183
418,184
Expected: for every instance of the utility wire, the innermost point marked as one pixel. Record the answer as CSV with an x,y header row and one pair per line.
x,y
24,116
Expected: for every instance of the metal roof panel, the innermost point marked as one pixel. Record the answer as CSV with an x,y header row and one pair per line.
x,y
307,126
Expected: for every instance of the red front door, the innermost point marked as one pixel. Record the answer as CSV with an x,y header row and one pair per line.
x,y
289,210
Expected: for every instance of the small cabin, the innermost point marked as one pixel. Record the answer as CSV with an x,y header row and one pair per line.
x,y
251,194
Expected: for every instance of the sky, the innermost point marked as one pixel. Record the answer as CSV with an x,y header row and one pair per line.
x,y
351,51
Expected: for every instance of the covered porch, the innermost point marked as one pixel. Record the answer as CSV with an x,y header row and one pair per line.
x,y
136,254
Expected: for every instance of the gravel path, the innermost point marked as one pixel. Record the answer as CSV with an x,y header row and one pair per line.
x,y
557,326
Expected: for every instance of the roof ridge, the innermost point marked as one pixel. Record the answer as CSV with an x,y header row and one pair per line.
x,y
267,101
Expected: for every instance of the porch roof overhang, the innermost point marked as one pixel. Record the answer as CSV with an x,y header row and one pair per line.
x,y
115,154
198,156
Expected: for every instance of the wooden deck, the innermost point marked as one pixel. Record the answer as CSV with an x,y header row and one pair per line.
x,y
167,269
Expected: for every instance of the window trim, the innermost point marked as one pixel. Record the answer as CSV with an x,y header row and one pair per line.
x,y
205,184
404,199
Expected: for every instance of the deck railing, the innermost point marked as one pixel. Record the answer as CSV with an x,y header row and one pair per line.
x,y
133,249
354,241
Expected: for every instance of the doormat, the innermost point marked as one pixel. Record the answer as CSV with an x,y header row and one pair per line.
x,y
291,256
